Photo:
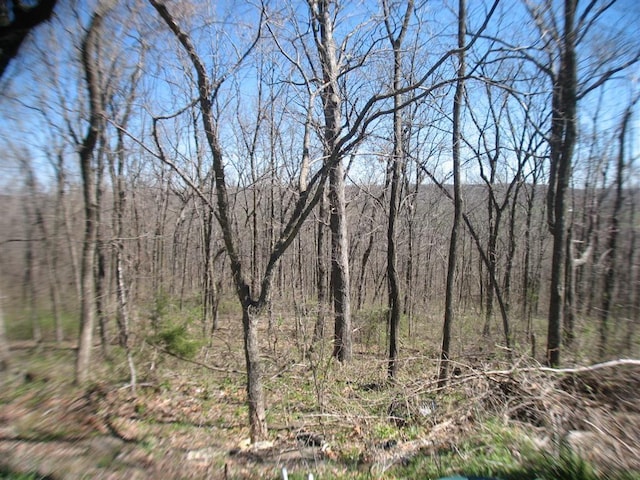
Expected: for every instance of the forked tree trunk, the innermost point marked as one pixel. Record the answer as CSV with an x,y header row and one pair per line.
x,y
250,308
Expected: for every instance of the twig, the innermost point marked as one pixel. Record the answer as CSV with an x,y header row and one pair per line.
x,y
588,368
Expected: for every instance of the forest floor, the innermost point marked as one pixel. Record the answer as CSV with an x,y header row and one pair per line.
x,y
188,418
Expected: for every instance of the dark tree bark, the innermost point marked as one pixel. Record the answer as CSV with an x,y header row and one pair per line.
x,y
610,267
101,283
457,199
561,146
340,265
17,19
396,167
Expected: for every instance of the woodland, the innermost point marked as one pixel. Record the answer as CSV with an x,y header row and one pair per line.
x,y
369,239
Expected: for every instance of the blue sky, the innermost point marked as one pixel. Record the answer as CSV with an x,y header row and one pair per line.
x,y
29,86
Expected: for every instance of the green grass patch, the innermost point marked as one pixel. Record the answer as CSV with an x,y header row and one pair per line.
x,y
20,324
500,461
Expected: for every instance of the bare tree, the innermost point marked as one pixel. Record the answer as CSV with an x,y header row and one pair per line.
x,y
610,267
85,154
322,21
396,167
457,197
252,302
566,91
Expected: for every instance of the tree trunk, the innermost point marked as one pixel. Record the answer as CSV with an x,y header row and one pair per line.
x,y
58,222
321,272
396,167
255,393
5,354
561,146
101,288
610,270
87,300
29,293
365,261
342,349
250,307
322,20
570,286
493,225
457,200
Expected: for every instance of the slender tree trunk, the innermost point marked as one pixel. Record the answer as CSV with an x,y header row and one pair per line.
x,y
633,292
49,253
58,222
527,292
5,354
511,250
124,321
157,266
491,267
185,258
457,200
101,288
365,261
321,272
610,269
570,285
29,293
396,167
